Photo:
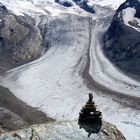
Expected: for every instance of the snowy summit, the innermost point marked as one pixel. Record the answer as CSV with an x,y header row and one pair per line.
x,y
129,12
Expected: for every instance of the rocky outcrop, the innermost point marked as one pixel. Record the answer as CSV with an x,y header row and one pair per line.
x,y
64,3
122,44
20,39
111,132
63,131
15,114
83,4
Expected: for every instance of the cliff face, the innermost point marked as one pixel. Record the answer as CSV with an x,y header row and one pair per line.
x,y
63,131
20,40
122,44
83,4
15,114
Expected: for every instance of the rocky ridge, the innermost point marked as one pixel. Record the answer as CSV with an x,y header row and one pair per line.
x,y
20,40
83,4
63,130
122,38
15,114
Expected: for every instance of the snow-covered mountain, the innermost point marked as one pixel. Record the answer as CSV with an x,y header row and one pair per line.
x,y
81,3
58,82
122,44
129,12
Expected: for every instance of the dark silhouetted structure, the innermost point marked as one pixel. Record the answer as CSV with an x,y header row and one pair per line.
x,y
89,118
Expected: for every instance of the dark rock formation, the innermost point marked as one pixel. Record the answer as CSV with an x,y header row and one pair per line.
x,y
20,40
122,42
84,5
15,114
64,3
81,3
133,4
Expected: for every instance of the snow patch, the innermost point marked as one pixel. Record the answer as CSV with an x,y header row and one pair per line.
x,y
111,3
21,8
129,18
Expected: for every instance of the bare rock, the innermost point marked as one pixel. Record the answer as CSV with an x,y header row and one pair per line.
x,y
63,131
111,131
20,40
122,44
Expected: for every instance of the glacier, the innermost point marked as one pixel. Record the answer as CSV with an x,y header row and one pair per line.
x,y
57,84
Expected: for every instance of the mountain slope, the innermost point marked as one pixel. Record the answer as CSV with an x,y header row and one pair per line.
x,y
20,40
122,38
15,114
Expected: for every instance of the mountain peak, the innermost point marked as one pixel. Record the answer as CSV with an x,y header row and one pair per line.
x,y
129,12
